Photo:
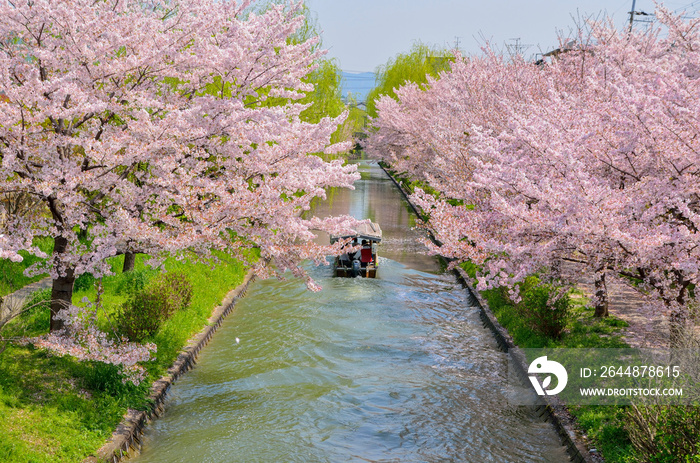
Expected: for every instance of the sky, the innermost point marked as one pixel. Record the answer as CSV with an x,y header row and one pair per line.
x,y
363,34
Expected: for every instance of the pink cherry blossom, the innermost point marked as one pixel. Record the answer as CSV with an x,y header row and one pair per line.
x,y
149,127
592,157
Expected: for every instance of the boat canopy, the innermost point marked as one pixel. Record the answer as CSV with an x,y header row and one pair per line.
x,y
365,231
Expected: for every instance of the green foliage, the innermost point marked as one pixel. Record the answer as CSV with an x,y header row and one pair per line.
x,y
422,61
147,308
84,282
175,290
104,377
664,434
325,99
542,309
133,281
605,427
141,316
357,119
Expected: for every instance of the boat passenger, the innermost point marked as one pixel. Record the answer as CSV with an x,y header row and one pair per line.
x,y
355,255
365,253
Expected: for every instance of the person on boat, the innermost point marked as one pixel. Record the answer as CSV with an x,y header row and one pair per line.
x,y
365,253
355,255
345,259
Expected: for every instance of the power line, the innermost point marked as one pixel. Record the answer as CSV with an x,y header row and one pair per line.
x,y
517,48
685,7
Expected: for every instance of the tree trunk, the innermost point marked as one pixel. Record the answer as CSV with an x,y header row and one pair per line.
x,y
601,295
129,261
556,268
62,289
679,320
678,328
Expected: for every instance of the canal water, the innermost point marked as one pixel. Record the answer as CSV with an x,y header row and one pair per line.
x,y
393,369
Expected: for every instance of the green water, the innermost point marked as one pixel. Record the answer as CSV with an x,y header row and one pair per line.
x,y
393,369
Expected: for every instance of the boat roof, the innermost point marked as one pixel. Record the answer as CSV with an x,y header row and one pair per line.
x,y
364,231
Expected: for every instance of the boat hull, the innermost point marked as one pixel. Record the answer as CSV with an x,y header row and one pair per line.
x,y
363,272
369,271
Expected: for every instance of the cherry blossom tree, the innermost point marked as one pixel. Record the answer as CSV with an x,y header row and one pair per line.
x,y
147,125
592,158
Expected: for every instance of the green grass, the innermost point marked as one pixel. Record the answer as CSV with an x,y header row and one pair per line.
x,y
210,286
605,427
12,275
582,330
56,409
34,321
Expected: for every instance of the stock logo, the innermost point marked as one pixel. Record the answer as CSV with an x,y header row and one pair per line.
x,y
547,367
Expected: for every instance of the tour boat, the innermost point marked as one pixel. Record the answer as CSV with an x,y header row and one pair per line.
x,y
363,262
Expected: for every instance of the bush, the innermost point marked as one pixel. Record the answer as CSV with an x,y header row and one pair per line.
x,y
542,309
175,289
134,281
84,282
141,316
103,377
665,434
144,312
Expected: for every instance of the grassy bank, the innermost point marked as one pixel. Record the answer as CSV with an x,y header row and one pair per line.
x,y
55,409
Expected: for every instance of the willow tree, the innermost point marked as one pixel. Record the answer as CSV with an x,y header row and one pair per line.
x,y
325,99
415,66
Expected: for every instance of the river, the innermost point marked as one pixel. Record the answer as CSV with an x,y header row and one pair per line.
x,y
393,369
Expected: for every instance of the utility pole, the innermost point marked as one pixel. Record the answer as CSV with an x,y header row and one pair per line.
x,y
647,17
457,42
634,2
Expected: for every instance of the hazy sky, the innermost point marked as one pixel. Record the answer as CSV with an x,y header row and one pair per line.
x,y
363,34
